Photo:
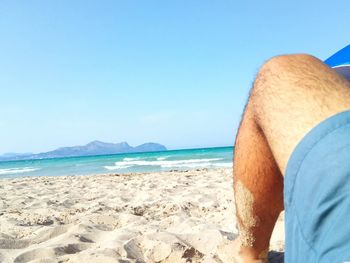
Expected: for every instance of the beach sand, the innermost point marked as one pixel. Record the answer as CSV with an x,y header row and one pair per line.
x,y
178,216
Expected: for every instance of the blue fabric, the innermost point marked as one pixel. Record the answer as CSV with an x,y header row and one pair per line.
x,y
342,57
340,61
317,195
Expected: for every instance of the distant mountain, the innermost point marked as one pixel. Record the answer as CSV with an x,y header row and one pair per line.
x,y
92,148
11,155
150,147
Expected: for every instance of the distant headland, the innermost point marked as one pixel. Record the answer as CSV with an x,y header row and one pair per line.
x,y
92,148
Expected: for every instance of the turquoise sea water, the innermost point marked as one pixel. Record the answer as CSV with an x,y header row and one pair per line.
x,y
120,163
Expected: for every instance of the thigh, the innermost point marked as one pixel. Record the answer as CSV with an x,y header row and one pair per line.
x,y
291,95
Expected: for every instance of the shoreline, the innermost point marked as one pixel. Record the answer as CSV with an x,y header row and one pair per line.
x,y
188,170
172,216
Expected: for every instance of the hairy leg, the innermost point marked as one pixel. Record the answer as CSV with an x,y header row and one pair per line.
x,y
258,186
290,96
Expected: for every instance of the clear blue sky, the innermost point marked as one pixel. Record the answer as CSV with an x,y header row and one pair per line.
x,y
174,72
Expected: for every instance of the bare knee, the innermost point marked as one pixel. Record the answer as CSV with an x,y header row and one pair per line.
x,y
281,69
291,94
287,62
285,77
290,59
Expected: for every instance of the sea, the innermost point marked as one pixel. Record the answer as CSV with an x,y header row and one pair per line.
x,y
120,163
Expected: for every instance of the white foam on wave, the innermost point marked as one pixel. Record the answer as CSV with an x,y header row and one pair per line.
x,y
130,159
111,168
18,170
191,163
163,162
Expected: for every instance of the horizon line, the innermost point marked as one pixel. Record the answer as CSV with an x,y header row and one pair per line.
x,y
111,154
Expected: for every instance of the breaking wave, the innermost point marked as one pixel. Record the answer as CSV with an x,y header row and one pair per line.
x,y
111,168
18,170
130,159
189,163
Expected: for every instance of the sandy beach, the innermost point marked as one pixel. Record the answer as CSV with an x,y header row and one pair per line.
x,y
178,216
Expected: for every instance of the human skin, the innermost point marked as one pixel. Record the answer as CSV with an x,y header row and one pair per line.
x,y
291,95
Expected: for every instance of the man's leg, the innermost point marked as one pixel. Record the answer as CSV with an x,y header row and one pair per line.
x,y
290,96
